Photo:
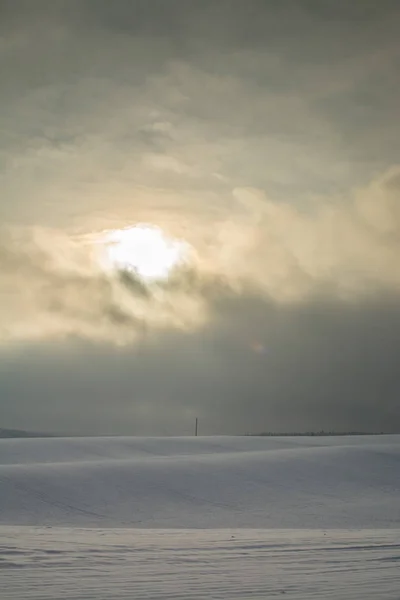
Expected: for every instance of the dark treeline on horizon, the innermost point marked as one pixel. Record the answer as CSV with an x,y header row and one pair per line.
x,y
314,433
20,433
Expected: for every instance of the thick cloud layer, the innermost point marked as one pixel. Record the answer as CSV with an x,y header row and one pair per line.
x,y
256,367
245,129
53,285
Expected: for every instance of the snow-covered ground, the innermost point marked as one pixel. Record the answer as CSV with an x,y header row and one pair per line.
x,y
53,564
221,517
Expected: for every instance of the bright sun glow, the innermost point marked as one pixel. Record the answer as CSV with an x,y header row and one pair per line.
x,y
144,250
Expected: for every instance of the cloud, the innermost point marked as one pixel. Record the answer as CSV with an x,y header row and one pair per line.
x,y
259,96
325,365
245,129
347,246
52,284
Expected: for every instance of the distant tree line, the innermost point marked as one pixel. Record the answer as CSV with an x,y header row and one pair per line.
x,y
18,433
321,433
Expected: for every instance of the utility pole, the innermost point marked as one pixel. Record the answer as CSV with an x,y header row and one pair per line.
x,y
195,427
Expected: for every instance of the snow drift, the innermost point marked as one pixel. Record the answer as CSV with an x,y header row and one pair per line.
x,y
218,482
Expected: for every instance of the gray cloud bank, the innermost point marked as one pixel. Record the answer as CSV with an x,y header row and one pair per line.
x,y
114,110
324,365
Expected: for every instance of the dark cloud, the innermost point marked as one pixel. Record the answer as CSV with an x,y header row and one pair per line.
x,y
257,366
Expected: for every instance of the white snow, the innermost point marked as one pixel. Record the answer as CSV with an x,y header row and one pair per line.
x,y
220,517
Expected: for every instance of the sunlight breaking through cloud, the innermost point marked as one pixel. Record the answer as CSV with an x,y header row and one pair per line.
x,y
111,284
143,250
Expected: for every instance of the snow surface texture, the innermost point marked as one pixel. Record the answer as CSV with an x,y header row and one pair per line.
x,y
221,517
55,564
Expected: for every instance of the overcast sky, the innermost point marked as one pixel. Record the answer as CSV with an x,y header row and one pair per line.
x,y
263,135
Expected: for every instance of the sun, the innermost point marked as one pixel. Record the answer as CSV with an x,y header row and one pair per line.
x,y
143,250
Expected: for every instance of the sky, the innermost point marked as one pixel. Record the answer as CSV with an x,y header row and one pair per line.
x,y
255,147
